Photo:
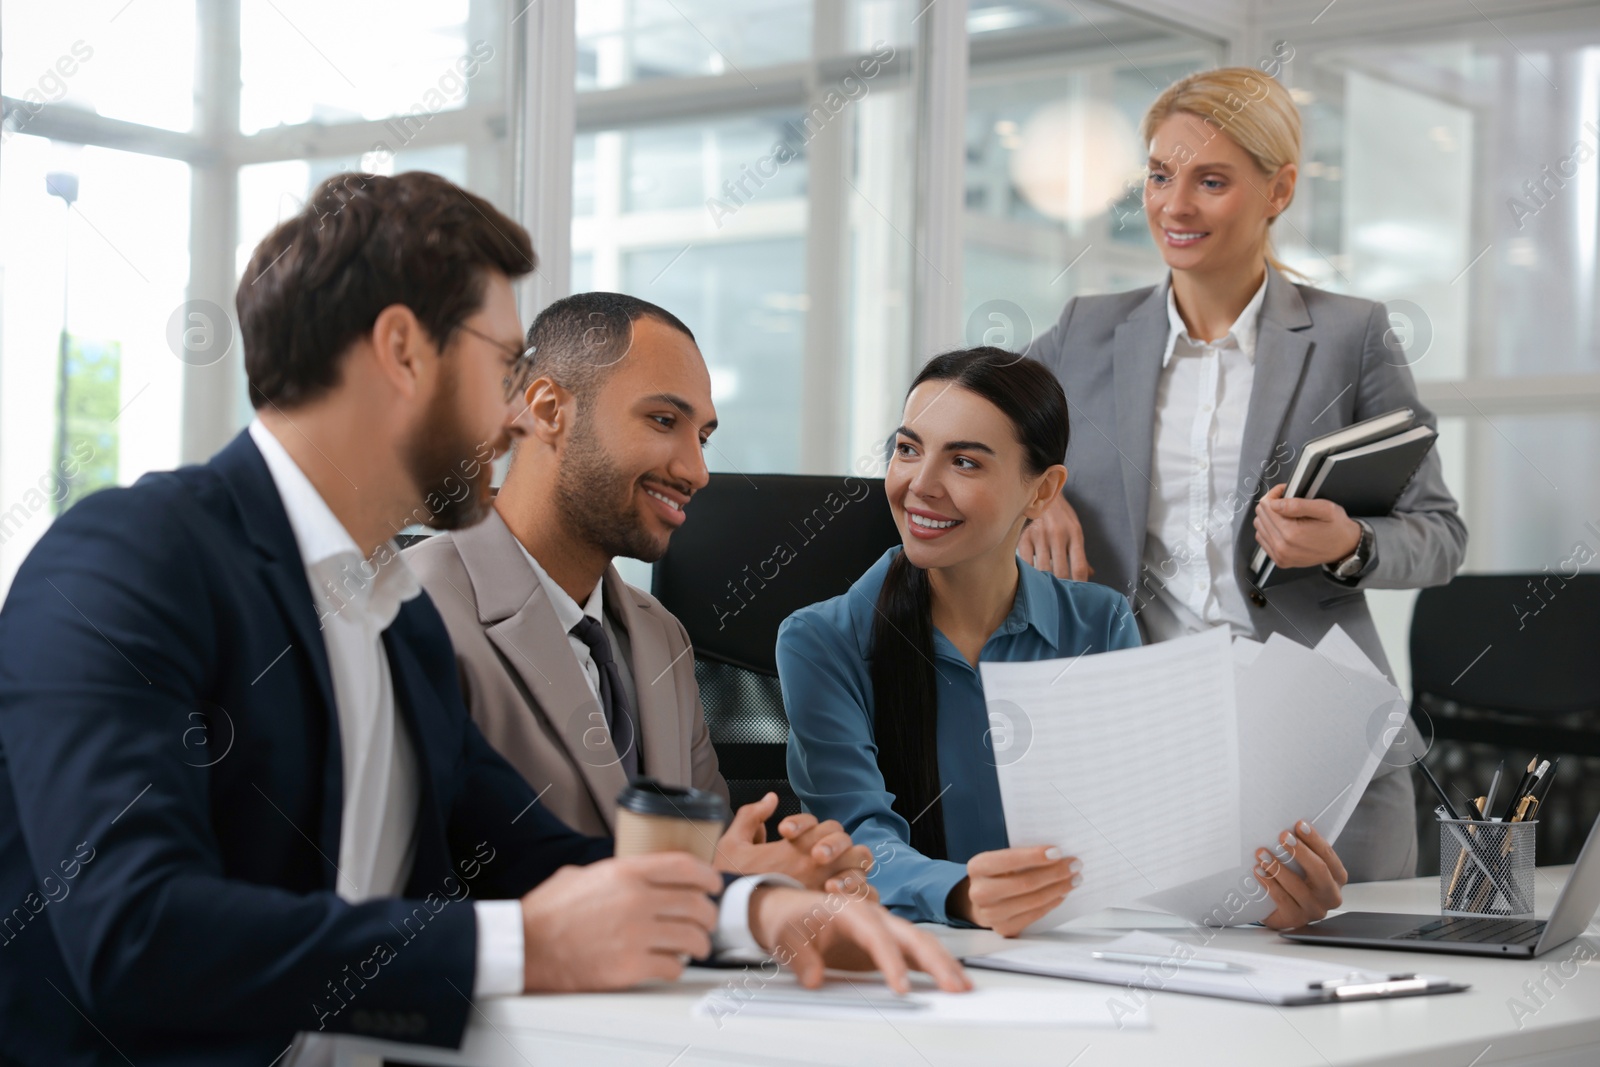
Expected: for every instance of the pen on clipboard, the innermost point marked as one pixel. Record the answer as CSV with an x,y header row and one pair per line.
x,y
1221,966
1360,989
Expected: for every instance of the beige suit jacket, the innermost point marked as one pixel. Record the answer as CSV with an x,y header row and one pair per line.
x,y
528,693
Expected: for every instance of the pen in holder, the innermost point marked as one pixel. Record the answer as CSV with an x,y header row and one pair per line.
x,y
1486,868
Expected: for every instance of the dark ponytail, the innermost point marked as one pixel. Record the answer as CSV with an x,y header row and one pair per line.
x,y
905,690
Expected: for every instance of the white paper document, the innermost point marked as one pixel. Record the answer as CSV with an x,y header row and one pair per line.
x,y
1128,760
1308,745
870,1001
1164,768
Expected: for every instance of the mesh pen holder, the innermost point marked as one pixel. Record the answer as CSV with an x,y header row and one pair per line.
x,y
1486,868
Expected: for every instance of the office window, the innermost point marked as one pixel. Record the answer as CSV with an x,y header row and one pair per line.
x,y
745,301
1054,165
118,350
310,61
621,42
428,93
1454,173
95,258
1469,146
774,222
690,218
133,62
879,201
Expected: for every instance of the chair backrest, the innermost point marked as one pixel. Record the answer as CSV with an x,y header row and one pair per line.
x,y
1525,644
1506,666
756,549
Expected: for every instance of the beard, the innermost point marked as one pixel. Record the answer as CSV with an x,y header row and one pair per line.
x,y
454,472
596,500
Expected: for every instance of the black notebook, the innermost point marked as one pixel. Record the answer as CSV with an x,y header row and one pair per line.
x,y
1365,480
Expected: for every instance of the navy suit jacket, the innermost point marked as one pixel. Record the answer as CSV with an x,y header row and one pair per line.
x,y
170,796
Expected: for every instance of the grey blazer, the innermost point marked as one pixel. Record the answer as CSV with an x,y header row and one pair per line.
x,y
528,694
1322,361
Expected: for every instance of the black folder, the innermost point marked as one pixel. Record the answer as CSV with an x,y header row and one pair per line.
x,y
1366,480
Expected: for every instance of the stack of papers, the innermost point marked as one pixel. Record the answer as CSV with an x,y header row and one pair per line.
x,y
1164,768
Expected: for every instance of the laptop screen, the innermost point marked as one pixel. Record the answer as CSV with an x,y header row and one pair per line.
x,y
1579,898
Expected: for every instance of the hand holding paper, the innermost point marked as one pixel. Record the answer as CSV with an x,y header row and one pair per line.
x,y
1165,768
1131,766
1305,895
1009,889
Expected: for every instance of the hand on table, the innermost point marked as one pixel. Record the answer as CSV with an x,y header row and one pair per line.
x,y
817,855
618,922
808,932
1053,543
1300,899
1304,533
1009,888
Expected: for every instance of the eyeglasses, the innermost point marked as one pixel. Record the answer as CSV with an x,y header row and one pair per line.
x,y
520,373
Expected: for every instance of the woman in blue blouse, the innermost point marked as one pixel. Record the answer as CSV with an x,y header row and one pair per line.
x,y
889,733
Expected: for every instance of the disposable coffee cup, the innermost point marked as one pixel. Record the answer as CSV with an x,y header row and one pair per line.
x,y
653,817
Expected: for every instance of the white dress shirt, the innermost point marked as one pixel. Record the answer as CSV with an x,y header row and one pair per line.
x,y
1196,497
568,614
356,601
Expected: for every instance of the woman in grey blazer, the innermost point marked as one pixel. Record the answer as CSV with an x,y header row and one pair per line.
x,y
1192,400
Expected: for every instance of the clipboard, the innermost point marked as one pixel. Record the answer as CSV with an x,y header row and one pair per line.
x,y
1150,963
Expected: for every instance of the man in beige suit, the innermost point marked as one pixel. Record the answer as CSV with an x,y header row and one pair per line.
x,y
577,678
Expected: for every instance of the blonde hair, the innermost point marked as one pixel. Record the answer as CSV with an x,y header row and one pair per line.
x,y
1251,107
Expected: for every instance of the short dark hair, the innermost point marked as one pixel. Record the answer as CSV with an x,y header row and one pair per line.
x,y
362,243
577,340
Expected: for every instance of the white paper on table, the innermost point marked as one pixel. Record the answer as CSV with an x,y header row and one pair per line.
x,y
846,1000
1128,760
1310,740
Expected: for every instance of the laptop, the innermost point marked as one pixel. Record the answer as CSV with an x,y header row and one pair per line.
x,y
1470,935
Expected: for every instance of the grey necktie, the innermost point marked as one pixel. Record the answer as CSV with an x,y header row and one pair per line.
x,y
613,698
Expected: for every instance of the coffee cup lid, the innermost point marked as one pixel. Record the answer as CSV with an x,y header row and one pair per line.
x,y
646,796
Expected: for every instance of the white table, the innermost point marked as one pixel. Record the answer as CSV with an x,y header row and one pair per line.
x,y
1473,1029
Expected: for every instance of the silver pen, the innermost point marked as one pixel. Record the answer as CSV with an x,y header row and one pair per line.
x,y
1198,964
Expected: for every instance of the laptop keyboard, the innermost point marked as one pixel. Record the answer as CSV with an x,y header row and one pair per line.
x,y
1496,931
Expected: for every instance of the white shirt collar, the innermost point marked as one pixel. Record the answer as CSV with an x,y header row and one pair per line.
x,y
1242,332
567,610
340,579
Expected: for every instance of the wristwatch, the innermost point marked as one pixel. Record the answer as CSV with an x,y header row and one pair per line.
x,y
1355,562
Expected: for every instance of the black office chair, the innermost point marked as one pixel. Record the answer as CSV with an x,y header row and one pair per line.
x,y
755,550
1504,666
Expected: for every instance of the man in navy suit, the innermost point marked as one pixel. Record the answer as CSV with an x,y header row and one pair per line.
x,y
240,796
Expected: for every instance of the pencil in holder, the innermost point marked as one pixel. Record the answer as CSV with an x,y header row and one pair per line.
x,y
1486,868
